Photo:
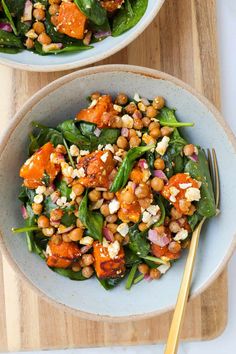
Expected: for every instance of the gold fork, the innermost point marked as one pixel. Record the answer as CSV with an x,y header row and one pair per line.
x,y
177,321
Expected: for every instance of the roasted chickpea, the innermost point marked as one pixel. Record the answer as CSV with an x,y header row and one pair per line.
x,y
142,191
154,125
43,221
151,112
56,214
94,195
145,202
174,227
87,259
117,122
126,240
95,96
61,149
188,150
66,238
48,231
43,38
112,227
146,121
51,2
87,272
118,238
157,184
54,20
155,133
111,218
79,223
132,133
37,208
39,14
56,239
159,164
160,229
76,267
158,102
138,124
134,141
105,210
184,205
122,142
76,234
166,131
131,108
121,99
53,9
185,244
175,214
78,199
78,189
29,43
174,247
108,195
38,27
143,268
127,196
142,226
191,209
154,273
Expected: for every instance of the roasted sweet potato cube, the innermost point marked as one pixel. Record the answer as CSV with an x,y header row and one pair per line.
x,y
71,21
58,262
106,267
62,254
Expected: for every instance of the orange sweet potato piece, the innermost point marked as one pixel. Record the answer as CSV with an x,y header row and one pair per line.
x,y
71,21
96,170
158,252
111,5
101,114
128,212
106,267
174,181
57,262
63,254
39,163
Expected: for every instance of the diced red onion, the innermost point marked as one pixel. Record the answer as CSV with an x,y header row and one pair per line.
x,y
54,197
193,157
160,174
157,239
133,186
102,34
5,27
24,212
97,132
67,229
137,115
55,223
145,101
28,9
125,132
147,277
108,234
142,163
85,249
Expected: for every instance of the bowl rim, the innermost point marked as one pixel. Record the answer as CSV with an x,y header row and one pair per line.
x,y
91,60
41,94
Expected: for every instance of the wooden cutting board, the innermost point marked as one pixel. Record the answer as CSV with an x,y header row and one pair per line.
x,y
182,42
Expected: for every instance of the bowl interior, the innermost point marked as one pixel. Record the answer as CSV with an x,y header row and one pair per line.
x,y
60,102
29,61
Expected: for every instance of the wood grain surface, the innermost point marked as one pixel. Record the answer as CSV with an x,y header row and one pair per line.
x,y
182,42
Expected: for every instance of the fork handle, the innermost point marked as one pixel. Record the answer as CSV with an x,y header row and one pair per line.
x,y
176,324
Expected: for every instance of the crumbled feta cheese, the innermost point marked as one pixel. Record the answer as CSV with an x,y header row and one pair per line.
x,y
61,201
66,169
195,150
105,243
142,107
38,198
114,206
172,199
31,34
137,97
84,152
123,229
127,121
101,189
100,147
153,209
163,145
185,185
181,235
97,132
109,147
74,150
119,152
80,172
56,158
97,204
146,217
48,251
104,157
72,196
87,241
113,249
173,193
139,133
192,194
40,190
164,268
93,103
118,158
117,107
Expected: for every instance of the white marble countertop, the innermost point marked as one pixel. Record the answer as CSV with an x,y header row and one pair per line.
x,y
226,343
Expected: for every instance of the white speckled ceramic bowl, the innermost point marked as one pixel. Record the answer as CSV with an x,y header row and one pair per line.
x,y
33,62
61,100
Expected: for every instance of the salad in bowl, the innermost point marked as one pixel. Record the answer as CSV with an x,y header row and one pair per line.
x,y
115,192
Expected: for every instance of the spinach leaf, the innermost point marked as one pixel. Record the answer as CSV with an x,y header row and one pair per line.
x,y
26,194
127,165
128,16
108,136
68,219
131,276
93,221
66,49
9,50
49,205
69,273
174,161
193,220
131,258
200,171
40,244
150,157
138,241
93,10
167,118
64,189
110,283
72,134
159,200
30,221
15,7
9,16
8,39
22,27
45,135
